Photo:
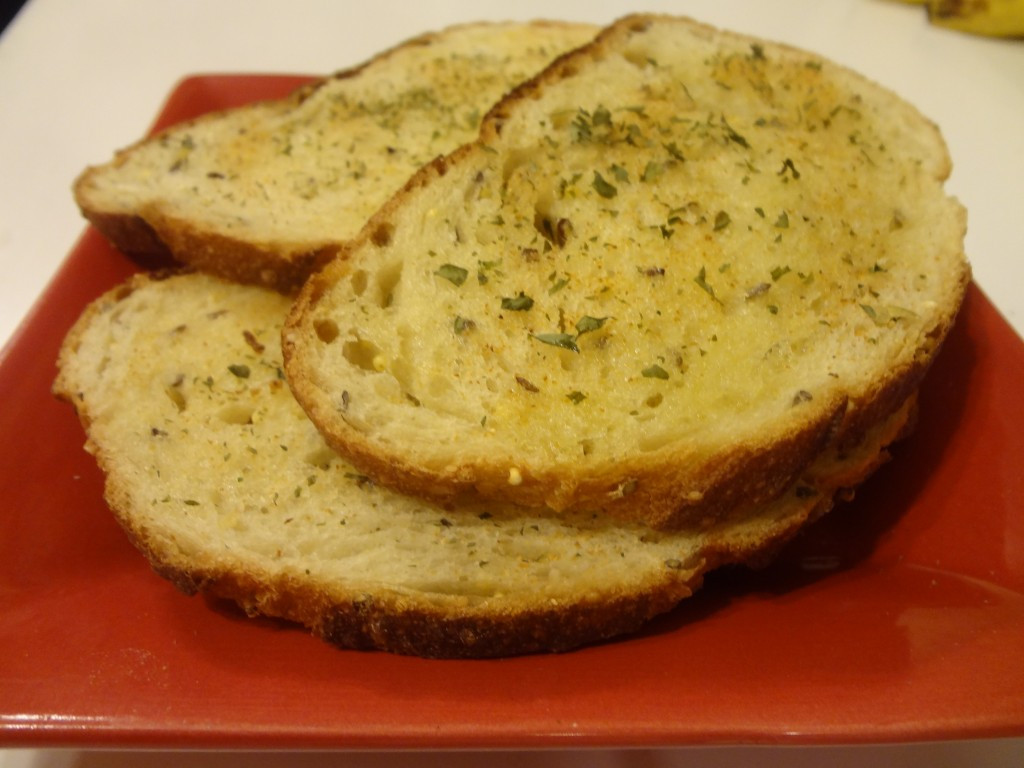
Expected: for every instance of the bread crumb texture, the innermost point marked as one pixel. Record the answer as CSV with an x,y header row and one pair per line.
x,y
676,246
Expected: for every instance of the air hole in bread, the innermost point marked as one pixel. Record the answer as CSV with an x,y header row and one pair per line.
x,y
654,441
358,280
515,160
654,400
381,235
638,57
363,354
387,279
326,330
561,119
321,457
236,413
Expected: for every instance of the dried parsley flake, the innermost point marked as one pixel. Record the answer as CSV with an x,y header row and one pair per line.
x,y
452,273
603,188
520,303
654,372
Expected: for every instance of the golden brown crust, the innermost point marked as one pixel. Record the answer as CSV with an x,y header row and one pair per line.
x,y
387,622
237,260
129,234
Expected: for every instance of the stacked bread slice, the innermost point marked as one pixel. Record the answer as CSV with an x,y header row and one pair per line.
x,y
675,297
264,193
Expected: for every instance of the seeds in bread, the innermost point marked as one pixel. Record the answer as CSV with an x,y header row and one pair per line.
x,y
261,193
218,477
676,266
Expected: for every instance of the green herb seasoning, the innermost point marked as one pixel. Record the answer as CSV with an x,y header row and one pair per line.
x,y
652,171
557,284
241,371
486,267
654,372
452,273
603,188
586,324
674,152
701,280
563,340
620,173
520,303
733,136
787,165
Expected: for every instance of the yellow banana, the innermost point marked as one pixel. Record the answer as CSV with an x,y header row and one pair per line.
x,y
992,18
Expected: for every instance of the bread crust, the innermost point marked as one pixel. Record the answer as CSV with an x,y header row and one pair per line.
x,y
668,489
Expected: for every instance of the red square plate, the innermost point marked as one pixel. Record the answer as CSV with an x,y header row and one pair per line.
x,y
899,617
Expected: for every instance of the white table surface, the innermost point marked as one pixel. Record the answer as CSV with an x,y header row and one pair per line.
x,y
80,79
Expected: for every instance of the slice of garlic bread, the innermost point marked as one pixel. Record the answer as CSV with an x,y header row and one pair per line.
x,y
261,193
217,476
675,267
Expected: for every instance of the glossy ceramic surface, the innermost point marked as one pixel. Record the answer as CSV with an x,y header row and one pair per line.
x,y
899,617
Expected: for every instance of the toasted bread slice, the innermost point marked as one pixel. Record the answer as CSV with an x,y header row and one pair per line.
x,y
261,193
218,477
674,268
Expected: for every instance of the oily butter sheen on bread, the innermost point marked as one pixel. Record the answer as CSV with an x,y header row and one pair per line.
x,y
261,193
675,267
218,477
